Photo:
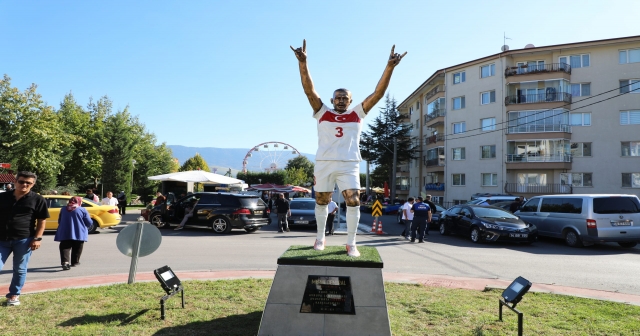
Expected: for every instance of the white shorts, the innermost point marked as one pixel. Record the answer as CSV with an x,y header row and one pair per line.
x,y
327,174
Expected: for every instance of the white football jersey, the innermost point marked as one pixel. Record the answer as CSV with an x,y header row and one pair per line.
x,y
339,134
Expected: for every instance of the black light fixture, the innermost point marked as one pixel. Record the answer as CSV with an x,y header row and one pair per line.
x,y
170,283
512,295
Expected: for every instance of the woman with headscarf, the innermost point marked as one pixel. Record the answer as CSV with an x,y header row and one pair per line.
x,y
73,229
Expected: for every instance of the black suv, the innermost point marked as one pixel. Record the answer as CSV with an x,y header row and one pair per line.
x,y
221,211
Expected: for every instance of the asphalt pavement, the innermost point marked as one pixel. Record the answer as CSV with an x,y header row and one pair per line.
x,y
101,266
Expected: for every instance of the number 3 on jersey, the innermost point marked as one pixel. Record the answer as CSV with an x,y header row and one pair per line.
x,y
339,134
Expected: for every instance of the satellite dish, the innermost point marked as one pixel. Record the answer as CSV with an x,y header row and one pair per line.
x,y
505,48
529,46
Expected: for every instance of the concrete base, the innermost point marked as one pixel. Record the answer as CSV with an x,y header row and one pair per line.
x,y
282,315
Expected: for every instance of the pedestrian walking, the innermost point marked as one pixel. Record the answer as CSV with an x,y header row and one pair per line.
x,y
73,230
421,216
110,200
284,211
332,208
23,215
122,203
407,217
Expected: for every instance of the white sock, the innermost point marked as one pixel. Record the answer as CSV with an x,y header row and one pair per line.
x,y
353,218
322,212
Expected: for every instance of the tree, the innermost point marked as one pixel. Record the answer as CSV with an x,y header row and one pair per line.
x,y
295,176
150,160
277,177
376,145
303,163
195,163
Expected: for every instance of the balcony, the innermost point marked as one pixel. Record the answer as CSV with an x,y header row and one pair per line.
x,y
434,139
434,186
538,161
434,91
402,187
537,69
547,97
531,128
538,189
435,117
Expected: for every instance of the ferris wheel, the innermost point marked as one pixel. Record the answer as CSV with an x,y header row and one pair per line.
x,y
269,156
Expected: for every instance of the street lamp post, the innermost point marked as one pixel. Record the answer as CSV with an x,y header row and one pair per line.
x,y
133,166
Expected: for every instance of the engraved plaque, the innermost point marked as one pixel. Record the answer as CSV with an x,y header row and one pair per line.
x,y
328,295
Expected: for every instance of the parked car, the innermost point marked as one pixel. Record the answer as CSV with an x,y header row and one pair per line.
x,y
220,211
586,219
491,199
103,216
504,205
435,217
303,212
484,223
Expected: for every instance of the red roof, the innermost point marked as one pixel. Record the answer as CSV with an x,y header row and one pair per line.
x,y
7,178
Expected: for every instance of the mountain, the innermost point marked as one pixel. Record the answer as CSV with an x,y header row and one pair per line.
x,y
225,158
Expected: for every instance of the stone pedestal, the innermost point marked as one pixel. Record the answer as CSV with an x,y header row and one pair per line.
x,y
282,313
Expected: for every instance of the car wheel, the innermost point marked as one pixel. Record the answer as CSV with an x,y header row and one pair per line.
x,y
251,229
475,235
444,230
627,244
221,225
572,239
94,226
156,220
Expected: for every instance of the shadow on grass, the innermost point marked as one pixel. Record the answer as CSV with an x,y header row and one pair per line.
x,y
94,319
245,324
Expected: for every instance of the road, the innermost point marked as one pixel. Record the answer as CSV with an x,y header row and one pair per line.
x,y
602,267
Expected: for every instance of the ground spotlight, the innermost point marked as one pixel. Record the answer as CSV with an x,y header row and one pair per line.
x,y
170,283
512,295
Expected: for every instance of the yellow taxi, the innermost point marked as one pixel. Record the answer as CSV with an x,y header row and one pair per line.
x,y
103,215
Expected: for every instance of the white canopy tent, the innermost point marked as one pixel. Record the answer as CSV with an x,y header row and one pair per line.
x,y
198,176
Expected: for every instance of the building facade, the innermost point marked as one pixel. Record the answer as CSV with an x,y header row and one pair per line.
x,y
539,120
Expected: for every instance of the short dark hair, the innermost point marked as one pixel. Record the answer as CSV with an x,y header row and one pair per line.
x,y
27,174
410,199
420,198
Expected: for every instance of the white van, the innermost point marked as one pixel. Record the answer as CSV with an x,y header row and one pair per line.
x,y
585,219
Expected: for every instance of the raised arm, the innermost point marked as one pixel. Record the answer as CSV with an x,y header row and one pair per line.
x,y
305,77
374,98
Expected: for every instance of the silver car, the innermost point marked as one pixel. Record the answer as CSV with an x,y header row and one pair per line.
x,y
585,219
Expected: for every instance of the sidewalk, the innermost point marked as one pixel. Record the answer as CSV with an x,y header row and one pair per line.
x,y
424,279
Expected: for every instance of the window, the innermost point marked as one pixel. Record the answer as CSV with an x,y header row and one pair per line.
x,y
629,56
580,119
459,127
561,205
530,66
488,124
630,86
580,149
631,180
458,103
531,205
458,179
417,125
582,89
630,117
489,180
576,61
410,110
487,70
631,148
487,97
577,179
488,152
458,153
532,179
459,77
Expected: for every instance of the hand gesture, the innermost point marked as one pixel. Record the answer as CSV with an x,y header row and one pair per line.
x,y
301,53
394,59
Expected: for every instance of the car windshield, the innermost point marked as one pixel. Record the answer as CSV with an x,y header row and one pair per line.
x,y
303,205
492,213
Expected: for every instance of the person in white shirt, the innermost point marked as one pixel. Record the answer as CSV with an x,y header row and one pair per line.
x,y
332,207
110,200
338,157
407,217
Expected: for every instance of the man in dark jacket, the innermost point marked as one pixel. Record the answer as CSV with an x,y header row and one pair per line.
x,y
432,206
515,206
421,216
283,210
23,214
122,203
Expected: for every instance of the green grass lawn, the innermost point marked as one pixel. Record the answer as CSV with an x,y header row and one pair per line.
x,y
234,307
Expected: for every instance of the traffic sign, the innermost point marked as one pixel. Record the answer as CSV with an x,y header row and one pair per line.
x,y
376,209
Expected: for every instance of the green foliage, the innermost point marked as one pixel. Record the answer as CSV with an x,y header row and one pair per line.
x,y
376,145
302,162
277,177
195,163
379,175
296,176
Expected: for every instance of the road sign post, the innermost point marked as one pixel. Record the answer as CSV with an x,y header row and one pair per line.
x,y
376,210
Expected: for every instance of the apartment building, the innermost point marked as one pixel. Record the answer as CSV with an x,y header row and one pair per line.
x,y
539,120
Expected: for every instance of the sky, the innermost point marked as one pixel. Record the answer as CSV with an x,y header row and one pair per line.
x,y
221,73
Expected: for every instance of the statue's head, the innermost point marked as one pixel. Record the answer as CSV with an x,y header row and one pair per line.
x,y
341,100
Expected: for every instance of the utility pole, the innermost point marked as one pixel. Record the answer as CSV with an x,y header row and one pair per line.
x,y
368,182
393,173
